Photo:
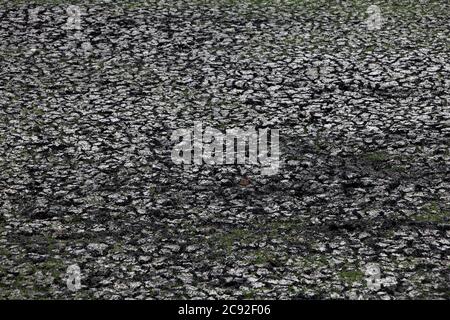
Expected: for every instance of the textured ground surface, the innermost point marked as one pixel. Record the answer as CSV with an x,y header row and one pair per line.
x,y
86,176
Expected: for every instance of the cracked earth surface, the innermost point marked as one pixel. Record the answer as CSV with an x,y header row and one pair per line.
x,y
86,176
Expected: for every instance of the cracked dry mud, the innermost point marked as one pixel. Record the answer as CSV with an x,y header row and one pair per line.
x,y
86,176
